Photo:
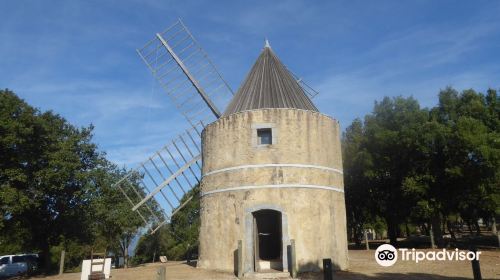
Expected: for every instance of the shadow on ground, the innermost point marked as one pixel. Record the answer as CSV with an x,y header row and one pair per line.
x,y
356,275
345,275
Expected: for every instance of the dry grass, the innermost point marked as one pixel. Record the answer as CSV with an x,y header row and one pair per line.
x,y
362,267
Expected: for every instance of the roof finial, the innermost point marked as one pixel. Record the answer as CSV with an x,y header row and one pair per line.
x,y
267,45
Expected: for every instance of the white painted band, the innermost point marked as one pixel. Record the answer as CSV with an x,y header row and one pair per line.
x,y
329,188
275,165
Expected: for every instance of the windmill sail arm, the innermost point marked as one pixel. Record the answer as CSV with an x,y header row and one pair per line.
x,y
186,73
158,188
176,210
194,82
305,87
166,182
207,58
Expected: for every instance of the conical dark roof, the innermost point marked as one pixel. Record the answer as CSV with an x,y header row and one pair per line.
x,y
269,85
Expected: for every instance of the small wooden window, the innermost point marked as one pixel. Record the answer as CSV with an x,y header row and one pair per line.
x,y
264,136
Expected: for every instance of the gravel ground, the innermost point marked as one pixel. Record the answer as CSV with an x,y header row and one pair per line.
x,y
362,267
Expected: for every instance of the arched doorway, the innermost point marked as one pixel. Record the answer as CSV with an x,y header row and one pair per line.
x,y
268,240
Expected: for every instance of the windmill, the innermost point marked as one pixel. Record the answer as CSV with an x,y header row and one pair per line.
x,y
184,71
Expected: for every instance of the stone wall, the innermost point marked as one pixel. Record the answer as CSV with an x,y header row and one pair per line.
x,y
298,175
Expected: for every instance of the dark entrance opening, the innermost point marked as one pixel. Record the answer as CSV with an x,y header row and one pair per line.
x,y
268,243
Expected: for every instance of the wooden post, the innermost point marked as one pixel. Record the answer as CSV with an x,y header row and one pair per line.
x,y
240,259
293,258
476,269
495,231
125,257
366,240
327,269
161,273
61,262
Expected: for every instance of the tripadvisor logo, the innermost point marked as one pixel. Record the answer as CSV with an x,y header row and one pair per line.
x,y
387,255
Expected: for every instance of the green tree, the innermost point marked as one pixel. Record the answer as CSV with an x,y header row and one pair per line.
x,y
151,246
390,133
56,188
178,239
357,165
45,167
422,166
470,174
185,226
459,174
115,224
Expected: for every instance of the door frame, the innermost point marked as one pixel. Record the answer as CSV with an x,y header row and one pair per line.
x,y
249,261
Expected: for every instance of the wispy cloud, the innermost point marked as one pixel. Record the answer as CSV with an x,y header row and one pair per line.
x,y
78,58
418,61
129,123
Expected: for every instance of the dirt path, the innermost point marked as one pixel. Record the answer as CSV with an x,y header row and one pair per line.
x,y
175,270
362,267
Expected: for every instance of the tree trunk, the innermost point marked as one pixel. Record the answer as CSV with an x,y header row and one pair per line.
x,y
425,229
495,231
478,229
366,240
61,262
353,233
46,258
470,227
125,257
433,242
436,230
124,247
459,224
450,229
357,240
392,232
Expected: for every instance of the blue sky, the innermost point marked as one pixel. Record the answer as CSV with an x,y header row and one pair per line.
x,y
78,57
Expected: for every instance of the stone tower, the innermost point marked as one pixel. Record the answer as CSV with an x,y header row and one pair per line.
x,y
272,172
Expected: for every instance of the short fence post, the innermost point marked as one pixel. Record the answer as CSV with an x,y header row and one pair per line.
x,y
61,262
162,273
327,269
293,258
476,269
240,259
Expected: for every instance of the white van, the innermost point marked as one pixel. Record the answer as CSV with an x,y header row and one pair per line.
x,y
11,265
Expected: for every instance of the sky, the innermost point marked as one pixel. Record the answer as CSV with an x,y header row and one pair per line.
x,y
78,58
